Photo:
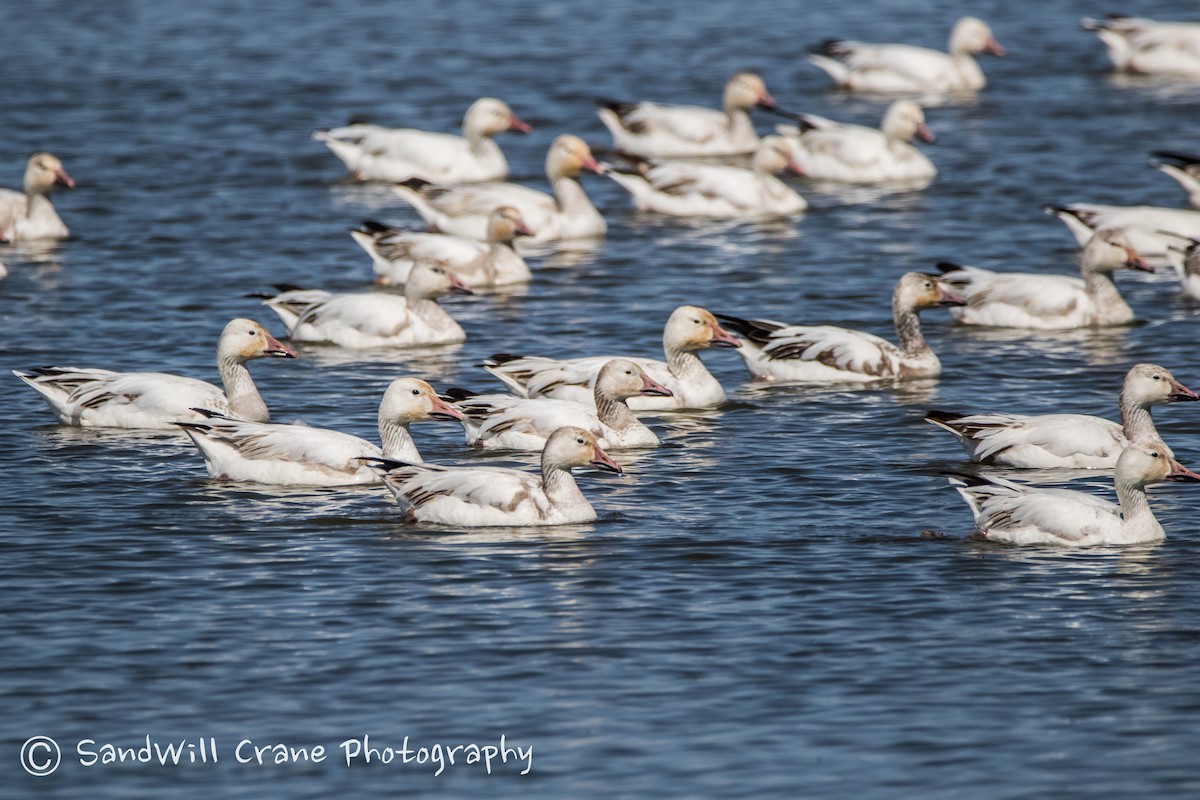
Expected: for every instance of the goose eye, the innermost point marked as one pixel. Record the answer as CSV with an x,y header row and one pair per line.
x,y
416,392
1158,377
251,332
1154,455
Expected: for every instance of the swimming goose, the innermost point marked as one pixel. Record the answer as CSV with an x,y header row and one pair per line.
x,y
375,319
490,496
372,152
303,456
1187,265
1076,441
1185,169
31,215
480,264
824,353
1148,47
1049,302
505,422
654,130
833,151
862,67
694,189
688,330
1151,229
568,214
1009,512
103,399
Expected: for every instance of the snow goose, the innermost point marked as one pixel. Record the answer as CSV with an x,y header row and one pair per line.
x,y
688,330
654,130
825,354
103,399
490,496
1151,229
1049,302
302,456
891,68
505,422
374,319
481,264
1076,441
31,215
833,151
1184,169
693,189
372,152
1148,47
1187,264
1009,512
567,214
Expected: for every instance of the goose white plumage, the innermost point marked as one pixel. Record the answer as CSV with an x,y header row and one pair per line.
x,y
688,330
656,130
1184,169
1009,512
825,354
694,189
1075,441
893,68
104,399
567,214
375,319
1148,47
483,497
506,422
1050,302
480,264
372,152
1151,229
302,456
826,150
31,215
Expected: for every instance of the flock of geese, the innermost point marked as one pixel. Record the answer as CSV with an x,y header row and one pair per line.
x,y
682,161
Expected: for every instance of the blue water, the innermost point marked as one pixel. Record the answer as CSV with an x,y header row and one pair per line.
x,y
755,614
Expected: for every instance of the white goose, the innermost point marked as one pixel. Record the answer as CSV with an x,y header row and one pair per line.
x,y
480,264
302,456
1008,512
1151,229
833,151
1075,441
1148,47
1049,302
372,152
693,189
688,330
824,353
490,496
505,422
568,214
654,130
31,215
1184,169
1187,265
375,319
861,67
103,399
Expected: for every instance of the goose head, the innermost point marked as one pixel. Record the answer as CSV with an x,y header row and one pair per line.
x,y
1150,462
429,280
916,291
774,155
244,339
44,172
904,120
505,224
1109,250
570,447
409,400
488,116
972,35
1149,384
568,156
692,328
744,91
623,379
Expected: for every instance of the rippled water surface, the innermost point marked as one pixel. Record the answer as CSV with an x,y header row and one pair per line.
x,y
755,613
